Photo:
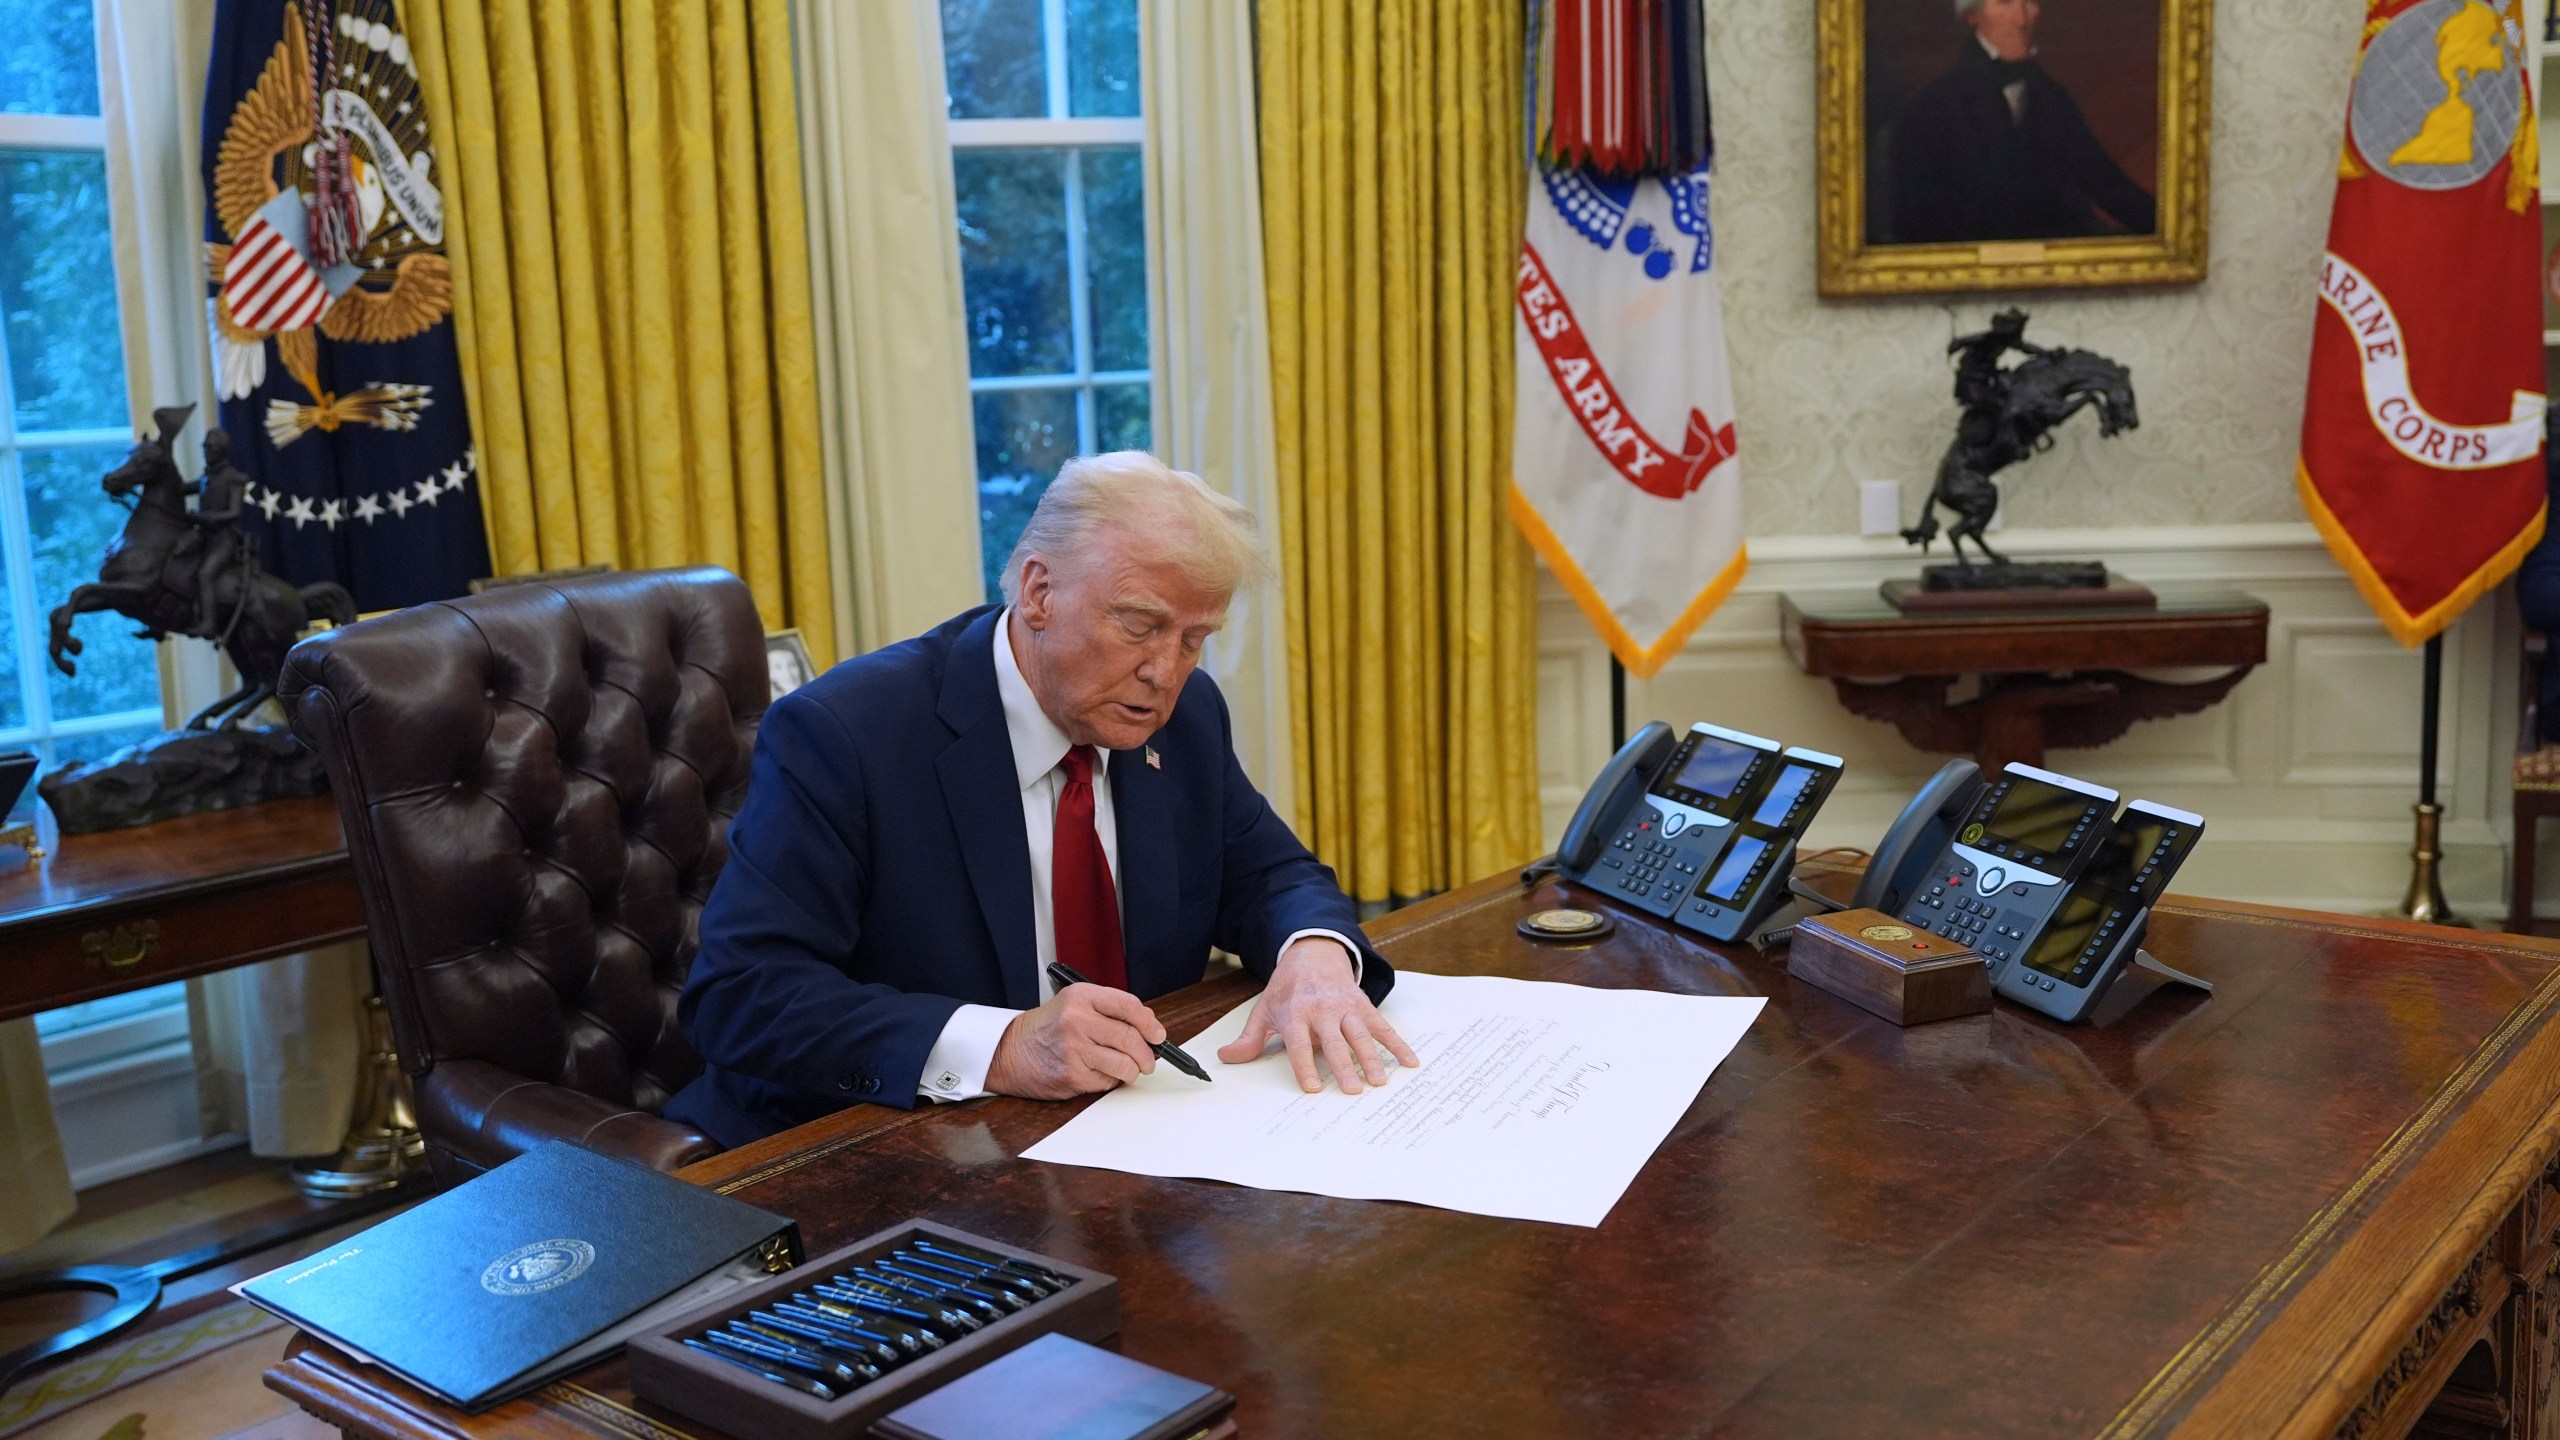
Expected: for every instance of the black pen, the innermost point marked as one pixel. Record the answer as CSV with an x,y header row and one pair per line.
x,y
1171,1054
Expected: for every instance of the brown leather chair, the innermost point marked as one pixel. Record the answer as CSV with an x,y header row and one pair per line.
x,y
536,785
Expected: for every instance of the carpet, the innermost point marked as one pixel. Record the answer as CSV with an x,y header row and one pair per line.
x,y
194,1380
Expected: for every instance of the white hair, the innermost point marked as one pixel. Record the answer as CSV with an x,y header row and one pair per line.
x,y
1208,536
1967,7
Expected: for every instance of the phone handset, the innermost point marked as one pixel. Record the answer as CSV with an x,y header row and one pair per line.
x,y
1622,779
1917,836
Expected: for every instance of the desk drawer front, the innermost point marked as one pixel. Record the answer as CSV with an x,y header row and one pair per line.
x,y
90,956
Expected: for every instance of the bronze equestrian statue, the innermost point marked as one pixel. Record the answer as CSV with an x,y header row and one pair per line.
x,y
178,571
2010,414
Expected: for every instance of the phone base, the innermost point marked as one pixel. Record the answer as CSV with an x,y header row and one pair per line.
x,y
2138,982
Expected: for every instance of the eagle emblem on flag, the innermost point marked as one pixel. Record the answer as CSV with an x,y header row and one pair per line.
x,y
329,303
271,285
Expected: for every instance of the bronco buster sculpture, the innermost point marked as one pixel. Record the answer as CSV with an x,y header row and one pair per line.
x,y
177,571
2010,414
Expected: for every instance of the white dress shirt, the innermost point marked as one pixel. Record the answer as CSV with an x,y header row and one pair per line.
x,y
956,1067
2015,92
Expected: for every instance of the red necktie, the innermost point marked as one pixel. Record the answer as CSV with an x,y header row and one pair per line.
x,y
1082,903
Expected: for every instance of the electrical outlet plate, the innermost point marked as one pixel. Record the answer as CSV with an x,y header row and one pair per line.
x,y
1879,507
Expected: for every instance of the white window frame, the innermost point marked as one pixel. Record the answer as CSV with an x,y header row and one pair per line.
x,y
38,729
1059,130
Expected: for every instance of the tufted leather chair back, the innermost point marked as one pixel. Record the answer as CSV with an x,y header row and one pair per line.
x,y
536,785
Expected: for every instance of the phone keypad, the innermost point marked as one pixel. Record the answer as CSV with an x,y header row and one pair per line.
x,y
1645,867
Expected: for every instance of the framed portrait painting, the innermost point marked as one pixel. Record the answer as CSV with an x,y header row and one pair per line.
x,y
2011,144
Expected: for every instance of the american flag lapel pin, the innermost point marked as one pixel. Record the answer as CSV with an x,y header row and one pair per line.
x,y
1154,760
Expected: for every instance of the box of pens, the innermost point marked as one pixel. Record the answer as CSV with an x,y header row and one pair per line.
x,y
821,1351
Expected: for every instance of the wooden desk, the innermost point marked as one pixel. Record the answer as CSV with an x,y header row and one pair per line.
x,y
2049,677
123,909
2289,1209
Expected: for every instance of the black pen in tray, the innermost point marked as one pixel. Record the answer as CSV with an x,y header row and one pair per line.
x,y
821,1351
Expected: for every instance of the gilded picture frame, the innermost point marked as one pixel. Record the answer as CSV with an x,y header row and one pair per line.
x,y
1858,253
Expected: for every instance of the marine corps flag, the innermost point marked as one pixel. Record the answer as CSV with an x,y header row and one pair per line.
x,y
332,303
2422,436
1623,472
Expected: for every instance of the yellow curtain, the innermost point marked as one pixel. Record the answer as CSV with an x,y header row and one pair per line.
x,y
1393,188
631,276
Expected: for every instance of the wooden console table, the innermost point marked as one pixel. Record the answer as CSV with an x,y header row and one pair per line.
x,y
125,909
2048,677
2319,1202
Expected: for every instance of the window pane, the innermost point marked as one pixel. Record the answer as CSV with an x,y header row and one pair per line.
x,y
58,291
994,59
1013,260
1023,437
1102,57
48,57
13,711
1120,417
113,1007
1115,250
70,520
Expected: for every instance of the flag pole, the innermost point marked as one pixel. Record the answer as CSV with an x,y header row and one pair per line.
x,y
2425,901
1617,704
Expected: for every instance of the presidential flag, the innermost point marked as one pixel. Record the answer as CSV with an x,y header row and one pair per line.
x,y
332,303
2421,454
1623,469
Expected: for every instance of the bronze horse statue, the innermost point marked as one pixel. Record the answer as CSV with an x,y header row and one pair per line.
x,y
2010,415
178,571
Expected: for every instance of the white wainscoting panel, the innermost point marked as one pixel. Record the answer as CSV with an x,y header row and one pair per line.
x,y
2305,773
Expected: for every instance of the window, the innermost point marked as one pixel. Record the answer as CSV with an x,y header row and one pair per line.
x,y
63,423
63,416
1045,139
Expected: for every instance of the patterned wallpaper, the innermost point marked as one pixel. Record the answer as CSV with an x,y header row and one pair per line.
x,y
1831,393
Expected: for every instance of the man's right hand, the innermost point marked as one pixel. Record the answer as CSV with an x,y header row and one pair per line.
x,y
1087,1038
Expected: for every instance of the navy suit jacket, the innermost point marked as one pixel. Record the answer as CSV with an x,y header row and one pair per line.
x,y
879,878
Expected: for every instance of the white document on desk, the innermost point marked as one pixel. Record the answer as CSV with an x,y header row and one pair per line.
x,y
1535,1101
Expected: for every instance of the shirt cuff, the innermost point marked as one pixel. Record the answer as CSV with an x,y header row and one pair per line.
x,y
1336,936
956,1067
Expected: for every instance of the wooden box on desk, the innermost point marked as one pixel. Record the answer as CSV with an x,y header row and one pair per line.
x,y
1900,972
665,1372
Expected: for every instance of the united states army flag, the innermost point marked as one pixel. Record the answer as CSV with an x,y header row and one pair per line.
x,y
1623,469
2422,437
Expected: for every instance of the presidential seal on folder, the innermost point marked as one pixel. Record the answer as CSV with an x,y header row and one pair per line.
x,y
1902,973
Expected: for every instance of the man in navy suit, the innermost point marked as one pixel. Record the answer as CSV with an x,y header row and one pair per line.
x,y
931,824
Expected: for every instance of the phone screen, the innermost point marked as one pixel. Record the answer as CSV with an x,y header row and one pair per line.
x,y
1745,852
2036,822
1714,766
2152,849
2138,860
2057,949
1791,783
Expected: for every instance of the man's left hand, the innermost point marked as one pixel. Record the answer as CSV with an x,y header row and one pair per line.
x,y
1311,1004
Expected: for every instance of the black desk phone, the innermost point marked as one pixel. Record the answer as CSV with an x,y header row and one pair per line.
x,y
2037,871
1698,828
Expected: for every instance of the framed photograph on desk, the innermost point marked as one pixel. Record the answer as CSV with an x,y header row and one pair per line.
x,y
2011,144
786,662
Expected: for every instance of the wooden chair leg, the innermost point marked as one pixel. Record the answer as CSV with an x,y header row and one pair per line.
x,y
2520,886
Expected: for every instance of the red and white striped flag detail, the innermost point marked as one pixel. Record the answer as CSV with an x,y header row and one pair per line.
x,y
269,283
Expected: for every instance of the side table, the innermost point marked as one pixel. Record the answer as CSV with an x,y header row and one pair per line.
x,y
2048,677
99,915
121,910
